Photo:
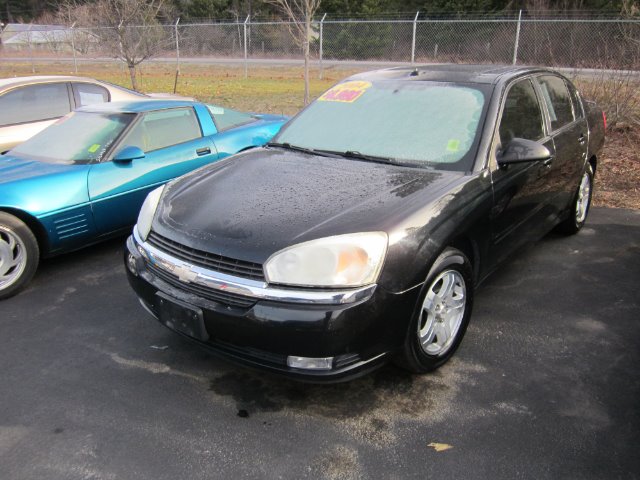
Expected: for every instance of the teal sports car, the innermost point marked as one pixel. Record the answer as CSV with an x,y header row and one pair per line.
x,y
84,178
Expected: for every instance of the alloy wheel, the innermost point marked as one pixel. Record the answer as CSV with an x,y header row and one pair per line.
x,y
442,313
582,202
13,259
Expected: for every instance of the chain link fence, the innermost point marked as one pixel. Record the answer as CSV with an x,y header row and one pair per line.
x,y
568,43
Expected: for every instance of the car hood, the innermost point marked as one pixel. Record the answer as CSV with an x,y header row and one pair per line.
x,y
17,168
254,204
39,187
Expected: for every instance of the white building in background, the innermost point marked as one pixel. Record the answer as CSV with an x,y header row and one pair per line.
x,y
21,36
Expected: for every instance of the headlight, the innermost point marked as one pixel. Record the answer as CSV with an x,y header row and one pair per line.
x,y
349,260
148,210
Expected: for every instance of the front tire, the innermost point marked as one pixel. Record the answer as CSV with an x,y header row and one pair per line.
x,y
441,315
580,204
19,255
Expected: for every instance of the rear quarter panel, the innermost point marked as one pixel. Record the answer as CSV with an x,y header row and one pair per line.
x,y
240,138
595,121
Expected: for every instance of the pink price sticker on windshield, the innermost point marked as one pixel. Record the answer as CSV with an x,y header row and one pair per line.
x,y
347,92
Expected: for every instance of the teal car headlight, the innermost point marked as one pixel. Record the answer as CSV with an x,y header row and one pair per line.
x,y
147,212
351,260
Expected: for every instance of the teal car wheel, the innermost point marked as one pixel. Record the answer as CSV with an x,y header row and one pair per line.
x,y
19,255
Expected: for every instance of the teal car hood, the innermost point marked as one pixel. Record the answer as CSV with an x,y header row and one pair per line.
x,y
40,188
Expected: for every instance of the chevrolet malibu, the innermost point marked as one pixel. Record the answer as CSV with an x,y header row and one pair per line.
x,y
84,178
360,234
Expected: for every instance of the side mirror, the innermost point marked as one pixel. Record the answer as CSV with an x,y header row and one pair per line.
x,y
520,150
128,154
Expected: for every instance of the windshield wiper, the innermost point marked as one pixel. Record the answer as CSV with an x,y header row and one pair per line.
x,y
295,148
333,153
359,156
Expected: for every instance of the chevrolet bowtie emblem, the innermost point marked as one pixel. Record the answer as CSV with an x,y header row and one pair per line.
x,y
184,273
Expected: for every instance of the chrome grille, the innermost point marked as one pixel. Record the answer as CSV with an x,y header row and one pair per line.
x,y
225,298
218,263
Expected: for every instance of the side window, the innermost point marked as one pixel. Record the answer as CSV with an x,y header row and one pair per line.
x,y
521,116
577,104
226,119
164,128
556,97
87,93
34,103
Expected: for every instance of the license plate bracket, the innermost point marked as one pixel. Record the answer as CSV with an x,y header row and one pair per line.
x,y
182,317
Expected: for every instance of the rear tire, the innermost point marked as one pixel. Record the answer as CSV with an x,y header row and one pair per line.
x,y
19,255
441,315
580,204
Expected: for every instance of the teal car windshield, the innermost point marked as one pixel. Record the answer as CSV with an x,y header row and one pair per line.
x,y
418,123
79,137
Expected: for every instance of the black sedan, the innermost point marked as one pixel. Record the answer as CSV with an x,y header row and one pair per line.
x,y
360,234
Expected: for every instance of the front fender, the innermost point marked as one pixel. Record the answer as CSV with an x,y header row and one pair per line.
x,y
463,212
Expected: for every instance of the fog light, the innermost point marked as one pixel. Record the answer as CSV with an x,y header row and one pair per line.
x,y
324,363
143,252
131,264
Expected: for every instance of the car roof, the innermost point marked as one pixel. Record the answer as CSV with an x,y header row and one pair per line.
x,y
19,81
136,106
488,74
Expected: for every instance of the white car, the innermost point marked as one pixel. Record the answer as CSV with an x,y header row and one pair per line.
x,y
30,104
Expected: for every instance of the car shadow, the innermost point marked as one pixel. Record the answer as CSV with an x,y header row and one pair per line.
x,y
368,406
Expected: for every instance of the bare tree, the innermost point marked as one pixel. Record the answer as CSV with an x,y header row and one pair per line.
x,y
129,29
136,33
300,13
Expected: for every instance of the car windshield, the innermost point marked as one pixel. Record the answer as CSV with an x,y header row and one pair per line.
x,y
79,137
420,123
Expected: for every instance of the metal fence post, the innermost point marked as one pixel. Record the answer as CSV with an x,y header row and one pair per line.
x,y
515,47
73,47
175,82
33,67
413,39
246,56
321,42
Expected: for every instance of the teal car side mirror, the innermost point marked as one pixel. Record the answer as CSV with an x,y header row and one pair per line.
x,y
128,154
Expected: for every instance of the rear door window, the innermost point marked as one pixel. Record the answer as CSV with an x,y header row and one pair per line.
x,y
557,99
87,94
34,103
225,118
577,104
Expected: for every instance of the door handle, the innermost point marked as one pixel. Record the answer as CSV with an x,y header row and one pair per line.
x,y
203,151
582,139
548,161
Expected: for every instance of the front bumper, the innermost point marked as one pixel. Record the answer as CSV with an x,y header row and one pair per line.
x,y
260,326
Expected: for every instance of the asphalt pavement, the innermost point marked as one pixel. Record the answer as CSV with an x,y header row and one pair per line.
x,y
546,384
